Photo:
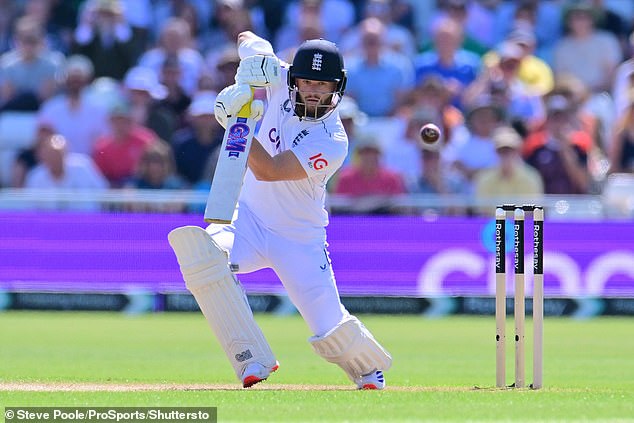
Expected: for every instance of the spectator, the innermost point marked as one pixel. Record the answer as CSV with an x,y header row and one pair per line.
x,y
432,93
294,32
156,169
79,118
59,169
26,158
456,10
368,181
512,177
176,41
622,146
623,81
226,68
118,154
335,16
535,74
484,21
501,82
559,152
457,67
144,92
27,73
196,146
353,120
403,154
105,37
397,38
389,74
177,100
231,18
474,150
543,18
587,53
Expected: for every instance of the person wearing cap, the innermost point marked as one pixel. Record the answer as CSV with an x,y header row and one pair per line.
x,y
118,152
472,149
534,72
77,116
280,219
512,180
105,37
196,146
560,151
500,80
368,179
144,92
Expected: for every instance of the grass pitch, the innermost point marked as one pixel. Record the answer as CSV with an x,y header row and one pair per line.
x,y
443,369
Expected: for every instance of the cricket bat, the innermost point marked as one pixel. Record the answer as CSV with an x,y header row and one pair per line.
x,y
231,167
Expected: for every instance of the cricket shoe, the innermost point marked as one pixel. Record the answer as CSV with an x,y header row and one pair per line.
x,y
255,373
374,380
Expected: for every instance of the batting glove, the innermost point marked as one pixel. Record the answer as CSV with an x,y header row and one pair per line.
x,y
231,99
259,71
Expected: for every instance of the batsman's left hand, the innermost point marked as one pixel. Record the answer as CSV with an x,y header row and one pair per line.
x,y
231,99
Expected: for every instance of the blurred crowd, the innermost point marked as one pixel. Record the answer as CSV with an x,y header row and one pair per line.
x,y
533,97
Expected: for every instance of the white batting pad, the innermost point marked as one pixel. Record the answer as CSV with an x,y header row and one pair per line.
x,y
351,346
205,269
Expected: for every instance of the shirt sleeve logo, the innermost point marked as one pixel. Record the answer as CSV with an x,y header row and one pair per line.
x,y
317,162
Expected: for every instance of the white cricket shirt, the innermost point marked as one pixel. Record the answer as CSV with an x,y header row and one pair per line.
x,y
294,209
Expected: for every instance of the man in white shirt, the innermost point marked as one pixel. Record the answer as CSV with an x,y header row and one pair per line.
x,y
280,219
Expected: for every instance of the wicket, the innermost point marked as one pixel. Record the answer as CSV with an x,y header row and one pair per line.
x,y
519,214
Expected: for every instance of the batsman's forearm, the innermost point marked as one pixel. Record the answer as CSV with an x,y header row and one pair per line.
x,y
281,167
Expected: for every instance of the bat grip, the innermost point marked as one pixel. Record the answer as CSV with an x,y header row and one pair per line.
x,y
245,111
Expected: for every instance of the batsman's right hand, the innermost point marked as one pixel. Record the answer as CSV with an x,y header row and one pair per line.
x,y
231,99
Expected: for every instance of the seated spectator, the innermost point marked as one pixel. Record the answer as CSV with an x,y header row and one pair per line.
x,y
501,82
368,181
177,100
397,37
59,169
196,146
589,54
176,42
559,152
388,73
535,74
144,93
622,146
79,118
512,178
27,73
118,154
457,67
352,119
226,69
156,171
403,154
623,81
473,151
456,10
26,159
105,37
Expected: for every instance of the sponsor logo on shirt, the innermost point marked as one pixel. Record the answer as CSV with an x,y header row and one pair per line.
x,y
317,162
274,138
299,137
286,106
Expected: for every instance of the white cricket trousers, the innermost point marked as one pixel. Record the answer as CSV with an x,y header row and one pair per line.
x,y
304,269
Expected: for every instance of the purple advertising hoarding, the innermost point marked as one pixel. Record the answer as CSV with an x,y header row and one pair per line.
x,y
371,255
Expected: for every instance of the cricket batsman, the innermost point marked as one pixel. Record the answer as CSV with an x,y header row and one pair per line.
x,y
280,218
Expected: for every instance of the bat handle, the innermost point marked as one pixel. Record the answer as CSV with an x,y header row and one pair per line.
x,y
245,111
